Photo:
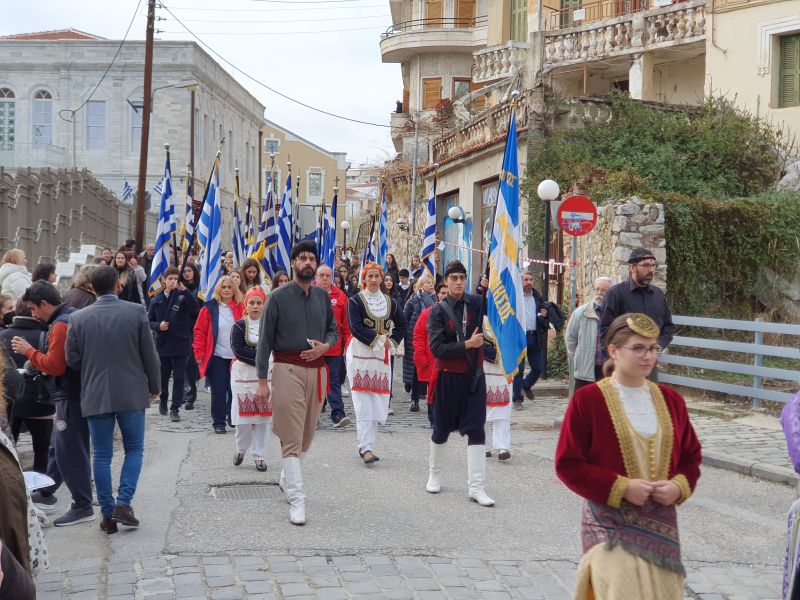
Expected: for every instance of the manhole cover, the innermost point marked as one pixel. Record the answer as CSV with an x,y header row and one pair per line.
x,y
246,492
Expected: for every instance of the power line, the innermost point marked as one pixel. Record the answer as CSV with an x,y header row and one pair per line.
x,y
382,16
305,1
264,85
111,64
373,27
277,9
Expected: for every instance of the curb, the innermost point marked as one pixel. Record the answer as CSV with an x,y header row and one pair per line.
x,y
764,471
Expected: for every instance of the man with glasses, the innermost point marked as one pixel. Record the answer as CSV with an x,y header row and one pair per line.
x,y
638,295
585,356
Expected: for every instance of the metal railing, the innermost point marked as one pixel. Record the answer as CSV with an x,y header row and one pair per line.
x,y
443,23
758,349
594,11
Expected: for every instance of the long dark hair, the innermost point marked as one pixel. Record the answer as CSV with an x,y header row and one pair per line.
x,y
195,282
277,278
250,262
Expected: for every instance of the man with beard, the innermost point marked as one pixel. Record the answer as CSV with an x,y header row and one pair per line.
x,y
637,295
297,329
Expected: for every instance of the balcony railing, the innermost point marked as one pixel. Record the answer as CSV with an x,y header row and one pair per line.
x,y
444,23
34,155
602,9
635,32
498,62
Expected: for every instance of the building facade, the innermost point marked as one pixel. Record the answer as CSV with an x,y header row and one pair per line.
x,y
51,115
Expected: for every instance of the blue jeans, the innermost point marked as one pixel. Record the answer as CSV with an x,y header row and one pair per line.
x,y
535,359
218,375
101,430
335,366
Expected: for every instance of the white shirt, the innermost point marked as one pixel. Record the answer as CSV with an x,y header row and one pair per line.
x,y
638,405
530,311
224,326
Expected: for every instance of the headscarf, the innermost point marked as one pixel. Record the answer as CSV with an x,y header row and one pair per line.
x,y
254,291
368,267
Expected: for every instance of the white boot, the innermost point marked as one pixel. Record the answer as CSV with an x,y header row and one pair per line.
x,y
476,465
435,460
282,480
295,493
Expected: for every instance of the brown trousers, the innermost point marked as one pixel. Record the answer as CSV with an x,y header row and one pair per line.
x,y
295,406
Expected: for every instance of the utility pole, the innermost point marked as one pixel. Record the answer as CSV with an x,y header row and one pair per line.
x,y
414,176
146,108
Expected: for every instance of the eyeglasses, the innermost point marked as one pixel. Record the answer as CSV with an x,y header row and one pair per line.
x,y
642,351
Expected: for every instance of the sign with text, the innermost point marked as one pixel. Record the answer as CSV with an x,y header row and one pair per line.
x,y
577,215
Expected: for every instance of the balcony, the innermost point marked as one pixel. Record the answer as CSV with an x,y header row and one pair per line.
x,y
35,155
399,122
634,32
403,40
499,62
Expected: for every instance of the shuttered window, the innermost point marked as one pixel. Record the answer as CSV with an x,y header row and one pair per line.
x,y
465,13
789,88
519,20
434,12
431,92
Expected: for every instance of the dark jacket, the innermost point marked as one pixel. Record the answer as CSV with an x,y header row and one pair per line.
x,y
79,298
180,310
627,297
442,336
395,273
131,291
363,332
241,350
66,381
412,310
31,331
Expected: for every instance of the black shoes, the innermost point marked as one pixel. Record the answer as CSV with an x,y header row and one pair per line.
x,y
261,465
124,516
219,428
189,406
238,458
339,421
74,516
162,408
174,416
504,455
528,393
44,503
414,406
108,525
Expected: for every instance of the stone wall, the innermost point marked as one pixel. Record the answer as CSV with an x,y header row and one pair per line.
x,y
621,226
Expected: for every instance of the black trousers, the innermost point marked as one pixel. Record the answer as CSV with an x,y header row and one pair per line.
x,y
192,375
174,366
459,407
68,459
41,431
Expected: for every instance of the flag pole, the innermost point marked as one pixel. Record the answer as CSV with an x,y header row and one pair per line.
x,y
174,235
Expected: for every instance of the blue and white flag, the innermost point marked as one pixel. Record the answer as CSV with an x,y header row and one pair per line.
x,y
238,239
321,235
187,227
285,230
164,232
429,241
505,303
159,189
382,248
250,232
329,256
209,235
127,193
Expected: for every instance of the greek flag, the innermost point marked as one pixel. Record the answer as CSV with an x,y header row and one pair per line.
x,y
239,248
505,305
429,242
164,231
383,234
209,234
187,227
285,230
319,236
159,189
127,193
329,255
250,234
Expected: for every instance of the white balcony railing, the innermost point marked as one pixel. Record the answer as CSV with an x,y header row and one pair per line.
x,y
637,32
498,62
35,155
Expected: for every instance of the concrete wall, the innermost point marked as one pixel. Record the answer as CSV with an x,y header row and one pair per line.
x,y
742,56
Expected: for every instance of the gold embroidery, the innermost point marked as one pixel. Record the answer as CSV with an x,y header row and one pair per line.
x,y
623,432
667,428
686,490
247,340
617,491
380,325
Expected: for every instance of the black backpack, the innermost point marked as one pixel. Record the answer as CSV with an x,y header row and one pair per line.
x,y
555,315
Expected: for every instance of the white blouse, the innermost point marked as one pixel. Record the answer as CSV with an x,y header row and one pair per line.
x,y
224,326
638,405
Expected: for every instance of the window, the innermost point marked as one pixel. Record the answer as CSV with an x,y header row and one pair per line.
x,y
136,125
42,118
8,120
268,178
461,86
465,13
789,84
272,146
95,125
434,12
519,20
315,183
431,92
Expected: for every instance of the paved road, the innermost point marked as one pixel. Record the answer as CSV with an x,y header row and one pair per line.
x,y
374,532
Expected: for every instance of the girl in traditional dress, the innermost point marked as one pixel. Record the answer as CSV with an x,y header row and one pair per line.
x,y
371,315
253,419
627,446
499,390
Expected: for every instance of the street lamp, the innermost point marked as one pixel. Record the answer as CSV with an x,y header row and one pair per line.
x,y
456,214
547,191
345,225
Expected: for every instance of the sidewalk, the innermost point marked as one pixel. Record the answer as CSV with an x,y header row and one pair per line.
x,y
737,441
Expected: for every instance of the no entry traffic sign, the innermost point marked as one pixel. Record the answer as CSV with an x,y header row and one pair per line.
x,y
577,215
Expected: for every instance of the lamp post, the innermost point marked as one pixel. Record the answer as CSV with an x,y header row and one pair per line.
x,y
547,191
345,225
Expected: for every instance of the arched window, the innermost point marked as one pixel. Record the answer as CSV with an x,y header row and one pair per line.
x,y
8,117
42,118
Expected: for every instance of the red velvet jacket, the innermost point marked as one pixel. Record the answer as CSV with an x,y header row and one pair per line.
x,y
593,456
424,360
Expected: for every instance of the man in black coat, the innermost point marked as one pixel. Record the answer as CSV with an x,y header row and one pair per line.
x,y
172,314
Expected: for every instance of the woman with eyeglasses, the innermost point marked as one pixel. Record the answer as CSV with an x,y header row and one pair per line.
x,y
627,446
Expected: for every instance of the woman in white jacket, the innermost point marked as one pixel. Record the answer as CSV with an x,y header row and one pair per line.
x,y
14,275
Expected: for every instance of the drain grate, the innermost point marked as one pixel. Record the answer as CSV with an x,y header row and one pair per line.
x,y
246,492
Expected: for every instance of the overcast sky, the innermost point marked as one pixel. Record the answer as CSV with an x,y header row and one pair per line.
x,y
279,42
